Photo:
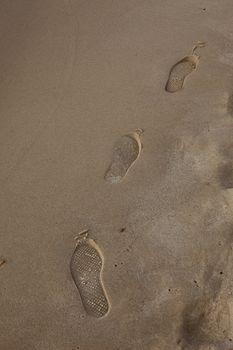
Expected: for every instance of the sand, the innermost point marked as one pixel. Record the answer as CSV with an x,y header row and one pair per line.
x,y
76,77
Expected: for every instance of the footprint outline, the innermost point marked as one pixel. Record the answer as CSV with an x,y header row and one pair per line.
x,y
95,300
120,164
176,81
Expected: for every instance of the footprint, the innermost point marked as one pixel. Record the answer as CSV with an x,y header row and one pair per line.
x,y
86,267
182,69
126,150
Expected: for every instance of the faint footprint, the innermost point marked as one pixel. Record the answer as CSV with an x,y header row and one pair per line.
x,y
226,175
126,150
230,105
182,69
86,267
2,262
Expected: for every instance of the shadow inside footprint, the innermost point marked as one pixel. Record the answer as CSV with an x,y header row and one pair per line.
x,y
182,69
126,150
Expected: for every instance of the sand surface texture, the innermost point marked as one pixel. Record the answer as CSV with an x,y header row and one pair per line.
x,y
110,124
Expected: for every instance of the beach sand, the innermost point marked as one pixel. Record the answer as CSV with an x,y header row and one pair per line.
x,y
77,79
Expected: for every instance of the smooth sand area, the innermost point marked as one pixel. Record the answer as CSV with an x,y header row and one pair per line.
x,y
77,77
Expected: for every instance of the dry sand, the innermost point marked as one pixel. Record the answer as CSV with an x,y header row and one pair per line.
x,y
76,76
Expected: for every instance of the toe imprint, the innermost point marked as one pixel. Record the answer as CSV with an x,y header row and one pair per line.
x,y
182,69
125,152
86,267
